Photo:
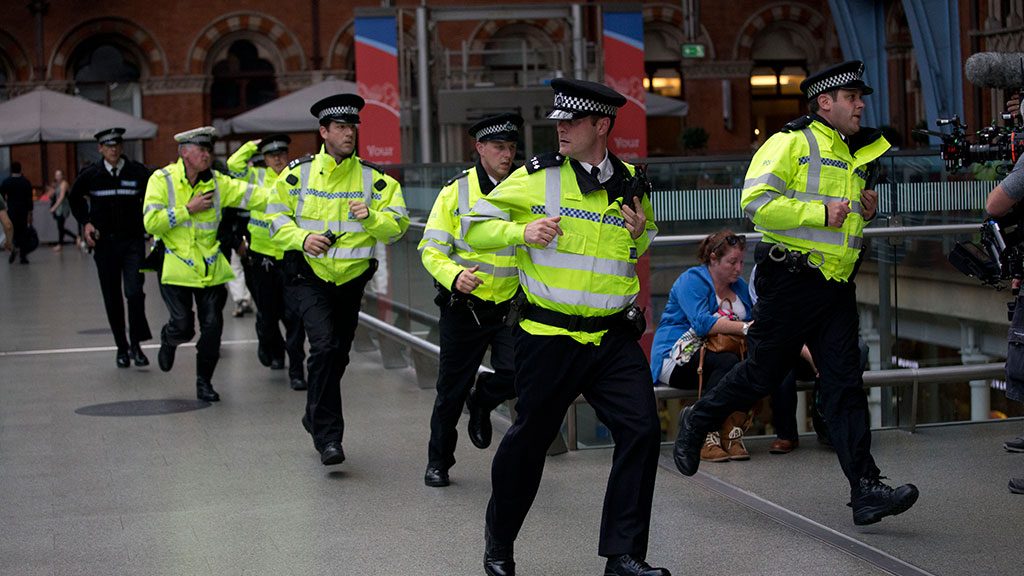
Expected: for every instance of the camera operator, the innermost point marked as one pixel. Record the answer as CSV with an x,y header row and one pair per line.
x,y
1001,200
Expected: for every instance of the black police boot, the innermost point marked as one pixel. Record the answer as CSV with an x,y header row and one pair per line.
x,y
629,565
479,419
205,391
138,357
332,454
263,355
298,384
436,477
498,559
1016,485
277,364
873,500
165,358
686,451
123,360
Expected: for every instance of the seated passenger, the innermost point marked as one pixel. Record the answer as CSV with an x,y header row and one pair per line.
x,y
704,301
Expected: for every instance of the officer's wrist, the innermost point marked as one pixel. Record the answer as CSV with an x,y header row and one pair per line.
x,y
746,327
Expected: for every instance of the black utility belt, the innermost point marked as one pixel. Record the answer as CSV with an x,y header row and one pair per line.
x,y
574,323
792,260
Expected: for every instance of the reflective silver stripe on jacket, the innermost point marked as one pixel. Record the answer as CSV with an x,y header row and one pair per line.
x,y
332,225
813,164
170,197
367,185
464,195
575,297
820,236
342,253
486,211
152,207
439,235
552,196
304,185
445,249
277,223
276,208
581,262
248,196
486,267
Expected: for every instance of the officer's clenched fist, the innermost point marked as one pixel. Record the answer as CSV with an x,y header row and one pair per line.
x,y
542,231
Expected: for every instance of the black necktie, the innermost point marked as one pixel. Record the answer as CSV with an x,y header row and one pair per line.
x,y
113,171
594,171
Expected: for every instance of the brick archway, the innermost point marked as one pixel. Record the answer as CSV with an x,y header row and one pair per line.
x,y
135,39
292,58
555,29
812,20
15,56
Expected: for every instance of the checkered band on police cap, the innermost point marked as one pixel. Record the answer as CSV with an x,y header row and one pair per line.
x,y
495,129
338,111
847,75
573,104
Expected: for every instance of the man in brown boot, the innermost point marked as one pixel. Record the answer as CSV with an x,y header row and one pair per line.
x,y
732,436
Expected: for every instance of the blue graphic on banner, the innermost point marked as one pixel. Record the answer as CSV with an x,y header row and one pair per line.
x,y
626,27
378,32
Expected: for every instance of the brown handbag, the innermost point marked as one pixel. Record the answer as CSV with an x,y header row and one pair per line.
x,y
719,343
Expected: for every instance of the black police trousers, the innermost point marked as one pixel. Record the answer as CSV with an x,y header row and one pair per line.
x,y
330,314
463,344
264,276
615,379
180,328
793,308
118,260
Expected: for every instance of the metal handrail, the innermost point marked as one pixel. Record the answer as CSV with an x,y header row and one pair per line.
x,y
894,231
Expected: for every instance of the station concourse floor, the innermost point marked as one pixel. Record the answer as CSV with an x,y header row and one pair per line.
x,y
236,488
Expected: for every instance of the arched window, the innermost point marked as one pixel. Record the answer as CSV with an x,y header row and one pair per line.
x,y
662,60
781,54
520,54
107,74
242,80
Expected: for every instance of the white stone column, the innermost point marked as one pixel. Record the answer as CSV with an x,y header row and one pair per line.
x,y
869,332
981,390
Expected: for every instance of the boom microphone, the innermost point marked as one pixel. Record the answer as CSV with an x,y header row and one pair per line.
x,y
996,69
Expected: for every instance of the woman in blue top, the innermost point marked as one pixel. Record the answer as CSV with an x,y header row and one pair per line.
x,y
711,299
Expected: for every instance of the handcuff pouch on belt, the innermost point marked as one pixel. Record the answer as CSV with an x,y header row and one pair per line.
x,y
795,261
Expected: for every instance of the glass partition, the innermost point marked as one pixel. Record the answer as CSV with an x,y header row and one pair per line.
x,y
916,309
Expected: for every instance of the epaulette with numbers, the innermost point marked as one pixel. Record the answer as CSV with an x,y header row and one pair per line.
x,y
300,160
798,124
546,160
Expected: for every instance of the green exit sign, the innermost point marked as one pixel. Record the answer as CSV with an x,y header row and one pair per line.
x,y
693,50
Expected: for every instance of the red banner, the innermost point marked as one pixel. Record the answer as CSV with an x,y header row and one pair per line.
x,y
624,72
380,140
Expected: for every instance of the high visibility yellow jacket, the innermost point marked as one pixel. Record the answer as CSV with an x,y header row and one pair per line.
x,y
588,271
192,255
259,224
795,174
313,196
445,254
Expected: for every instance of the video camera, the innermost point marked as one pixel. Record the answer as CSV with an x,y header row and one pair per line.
x,y
991,143
999,256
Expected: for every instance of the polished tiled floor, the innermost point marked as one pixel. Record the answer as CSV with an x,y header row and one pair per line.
x,y
236,487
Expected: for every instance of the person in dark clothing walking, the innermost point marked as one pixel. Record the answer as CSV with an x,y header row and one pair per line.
x,y
17,192
107,199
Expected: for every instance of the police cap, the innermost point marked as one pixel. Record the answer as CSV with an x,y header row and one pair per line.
x,y
110,136
499,128
275,143
580,98
342,108
847,75
204,136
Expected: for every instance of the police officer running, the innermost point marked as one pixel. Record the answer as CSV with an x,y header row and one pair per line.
x,y
183,207
474,291
333,206
806,192
106,199
263,263
579,226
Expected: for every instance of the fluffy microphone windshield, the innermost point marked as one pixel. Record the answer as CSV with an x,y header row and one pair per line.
x,y
996,69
